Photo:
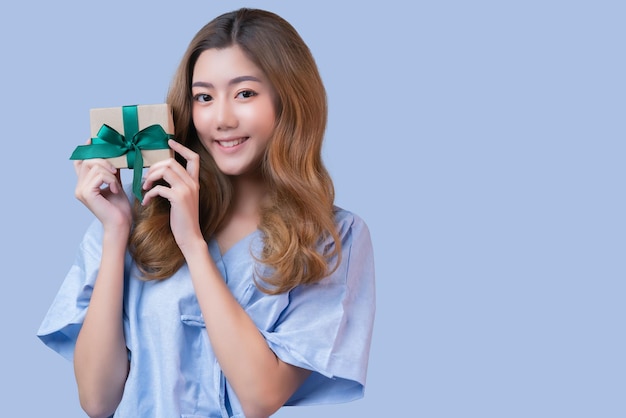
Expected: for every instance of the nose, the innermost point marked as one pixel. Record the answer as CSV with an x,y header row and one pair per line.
x,y
226,117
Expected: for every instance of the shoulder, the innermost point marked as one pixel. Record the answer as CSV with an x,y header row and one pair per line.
x,y
349,224
91,242
357,250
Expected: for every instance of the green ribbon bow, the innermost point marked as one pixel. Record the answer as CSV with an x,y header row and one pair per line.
x,y
109,143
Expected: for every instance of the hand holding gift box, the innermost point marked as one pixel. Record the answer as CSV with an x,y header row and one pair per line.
x,y
129,137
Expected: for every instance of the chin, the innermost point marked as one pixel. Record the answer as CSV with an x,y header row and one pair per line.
x,y
252,170
234,171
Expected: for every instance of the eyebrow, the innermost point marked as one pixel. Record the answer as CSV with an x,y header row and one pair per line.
x,y
232,82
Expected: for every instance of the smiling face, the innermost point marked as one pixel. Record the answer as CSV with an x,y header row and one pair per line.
x,y
233,109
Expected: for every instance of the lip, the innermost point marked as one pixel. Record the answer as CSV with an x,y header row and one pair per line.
x,y
231,143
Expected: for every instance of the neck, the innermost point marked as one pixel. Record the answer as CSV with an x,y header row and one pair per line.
x,y
249,191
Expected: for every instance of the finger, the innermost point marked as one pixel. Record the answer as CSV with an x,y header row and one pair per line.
x,y
116,186
170,171
193,159
87,165
98,176
94,177
158,190
91,182
78,163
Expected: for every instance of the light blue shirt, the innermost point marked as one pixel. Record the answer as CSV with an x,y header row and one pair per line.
x,y
325,327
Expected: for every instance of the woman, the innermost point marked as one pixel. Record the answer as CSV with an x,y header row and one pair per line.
x,y
235,286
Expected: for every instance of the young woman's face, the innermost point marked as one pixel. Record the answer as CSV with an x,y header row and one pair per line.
x,y
233,109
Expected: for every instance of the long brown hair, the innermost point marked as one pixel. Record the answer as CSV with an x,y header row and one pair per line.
x,y
300,214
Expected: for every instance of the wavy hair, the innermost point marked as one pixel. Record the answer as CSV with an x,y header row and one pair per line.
x,y
299,232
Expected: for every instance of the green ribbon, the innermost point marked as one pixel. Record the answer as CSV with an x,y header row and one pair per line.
x,y
109,143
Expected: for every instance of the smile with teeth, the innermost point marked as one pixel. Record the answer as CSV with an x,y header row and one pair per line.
x,y
231,142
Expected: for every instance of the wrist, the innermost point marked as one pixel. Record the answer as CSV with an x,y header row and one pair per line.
x,y
193,248
117,233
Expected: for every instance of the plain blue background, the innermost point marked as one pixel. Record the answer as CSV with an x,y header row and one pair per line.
x,y
483,143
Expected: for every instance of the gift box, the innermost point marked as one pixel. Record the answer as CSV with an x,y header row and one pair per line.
x,y
147,115
129,137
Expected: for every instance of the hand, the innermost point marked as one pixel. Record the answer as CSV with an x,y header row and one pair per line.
x,y
182,191
99,188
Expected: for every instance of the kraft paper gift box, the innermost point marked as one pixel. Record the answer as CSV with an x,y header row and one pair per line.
x,y
129,137
147,115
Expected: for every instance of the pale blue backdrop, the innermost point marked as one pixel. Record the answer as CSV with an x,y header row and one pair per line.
x,y
482,141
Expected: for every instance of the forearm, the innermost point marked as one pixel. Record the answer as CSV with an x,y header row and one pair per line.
x,y
261,381
100,358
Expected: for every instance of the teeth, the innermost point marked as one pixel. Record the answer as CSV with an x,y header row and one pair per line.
x,y
230,144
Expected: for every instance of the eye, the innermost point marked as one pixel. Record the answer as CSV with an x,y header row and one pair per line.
x,y
202,98
246,94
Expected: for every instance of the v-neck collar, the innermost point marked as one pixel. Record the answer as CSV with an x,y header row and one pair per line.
x,y
216,252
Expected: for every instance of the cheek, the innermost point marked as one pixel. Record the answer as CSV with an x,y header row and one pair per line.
x,y
199,119
265,120
200,122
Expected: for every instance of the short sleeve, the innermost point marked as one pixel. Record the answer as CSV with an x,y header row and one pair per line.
x,y
327,327
59,328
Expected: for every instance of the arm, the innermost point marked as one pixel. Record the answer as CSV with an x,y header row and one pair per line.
x,y
261,381
100,358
